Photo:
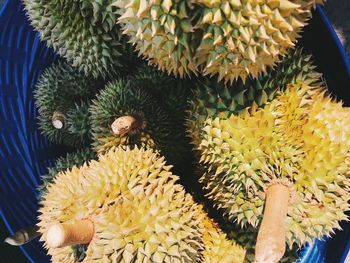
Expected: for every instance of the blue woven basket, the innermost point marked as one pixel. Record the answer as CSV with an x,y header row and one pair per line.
x,y
25,154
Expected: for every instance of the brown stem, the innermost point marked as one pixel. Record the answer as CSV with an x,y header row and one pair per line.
x,y
23,236
271,240
58,120
124,124
60,235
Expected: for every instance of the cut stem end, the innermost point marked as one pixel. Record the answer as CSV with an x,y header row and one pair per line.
x,y
124,125
60,235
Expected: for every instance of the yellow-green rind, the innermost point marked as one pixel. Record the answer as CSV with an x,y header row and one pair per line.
x,y
301,137
219,249
211,99
139,212
242,38
161,32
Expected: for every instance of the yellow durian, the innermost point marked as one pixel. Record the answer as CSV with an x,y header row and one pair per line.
x,y
300,141
129,208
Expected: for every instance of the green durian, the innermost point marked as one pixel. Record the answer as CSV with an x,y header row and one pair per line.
x,y
156,125
211,99
243,38
62,96
84,32
161,32
138,211
299,140
77,158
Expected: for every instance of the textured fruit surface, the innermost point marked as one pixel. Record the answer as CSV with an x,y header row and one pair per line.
x,y
77,159
63,89
82,31
300,139
160,123
139,211
218,248
161,32
211,99
245,37
232,39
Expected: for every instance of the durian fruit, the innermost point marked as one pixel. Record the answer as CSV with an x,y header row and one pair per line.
x,y
217,247
77,158
295,150
231,38
130,112
211,99
161,31
127,207
173,92
82,31
62,96
245,37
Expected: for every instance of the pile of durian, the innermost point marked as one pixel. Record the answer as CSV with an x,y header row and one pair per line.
x,y
226,100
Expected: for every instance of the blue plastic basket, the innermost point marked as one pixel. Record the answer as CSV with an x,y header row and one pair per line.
x,y
25,154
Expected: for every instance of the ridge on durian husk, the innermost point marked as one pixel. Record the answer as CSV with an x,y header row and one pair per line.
x,y
77,159
161,126
230,39
84,32
156,220
300,139
161,33
243,38
62,88
211,99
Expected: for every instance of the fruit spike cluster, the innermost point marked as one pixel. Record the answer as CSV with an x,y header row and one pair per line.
x,y
231,38
83,31
62,96
149,107
138,212
77,158
213,100
161,32
301,140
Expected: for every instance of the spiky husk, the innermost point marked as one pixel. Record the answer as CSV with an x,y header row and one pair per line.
x,y
77,159
244,37
244,236
231,39
173,92
139,211
217,247
162,129
161,32
211,99
61,88
300,139
82,31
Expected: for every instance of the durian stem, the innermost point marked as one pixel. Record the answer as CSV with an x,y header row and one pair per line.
x,y
58,120
124,124
23,236
271,240
61,235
